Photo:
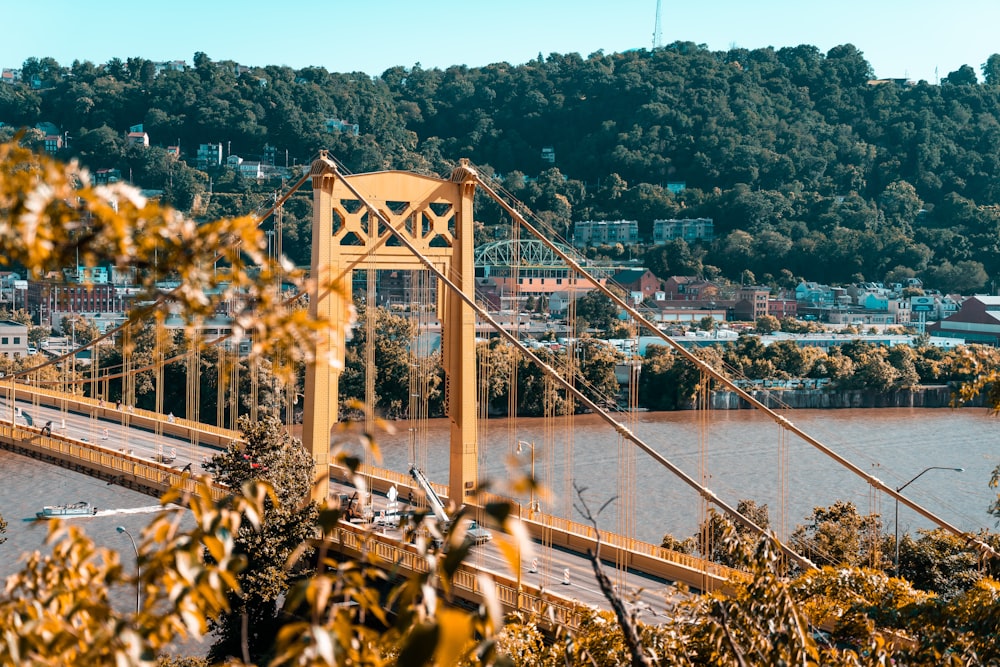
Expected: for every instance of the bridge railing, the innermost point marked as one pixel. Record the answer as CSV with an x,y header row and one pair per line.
x,y
466,582
614,541
398,479
647,557
125,468
176,426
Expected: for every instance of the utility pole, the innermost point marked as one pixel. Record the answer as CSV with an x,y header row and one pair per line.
x,y
657,31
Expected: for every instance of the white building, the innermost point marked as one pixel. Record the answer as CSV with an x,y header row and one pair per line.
x,y
13,339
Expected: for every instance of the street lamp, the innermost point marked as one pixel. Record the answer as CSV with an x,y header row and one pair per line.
x,y
895,561
520,448
138,590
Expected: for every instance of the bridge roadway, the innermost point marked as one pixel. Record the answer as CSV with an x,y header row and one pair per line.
x,y
131,438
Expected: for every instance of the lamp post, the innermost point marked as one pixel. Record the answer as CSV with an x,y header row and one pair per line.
x,y
895,561
520,448
138,590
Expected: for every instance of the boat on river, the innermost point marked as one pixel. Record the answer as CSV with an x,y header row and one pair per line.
x,y
72,509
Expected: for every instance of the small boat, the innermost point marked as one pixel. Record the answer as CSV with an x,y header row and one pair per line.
x,y
73,509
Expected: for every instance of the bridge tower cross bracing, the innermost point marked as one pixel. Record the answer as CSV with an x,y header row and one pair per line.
x,y
436,217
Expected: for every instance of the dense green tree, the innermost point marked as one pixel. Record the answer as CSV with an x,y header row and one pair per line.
x,y
594,310
711,537
963,277
393,334
964,75
767,324
788,358
804,166
939,562
839,535
79,328
991,70
269,454
597,367
669,382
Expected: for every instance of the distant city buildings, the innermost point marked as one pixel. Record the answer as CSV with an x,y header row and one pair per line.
x,y
688,229
589,233
605,232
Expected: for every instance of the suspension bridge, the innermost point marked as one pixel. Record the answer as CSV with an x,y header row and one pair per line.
x,y
422,225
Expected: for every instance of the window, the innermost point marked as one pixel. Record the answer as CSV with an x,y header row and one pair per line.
x,y
17,340
4,340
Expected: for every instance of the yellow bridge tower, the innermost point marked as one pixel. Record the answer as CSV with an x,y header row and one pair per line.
x,y
352,216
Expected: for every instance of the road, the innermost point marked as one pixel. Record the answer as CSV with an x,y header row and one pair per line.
x,y
650,596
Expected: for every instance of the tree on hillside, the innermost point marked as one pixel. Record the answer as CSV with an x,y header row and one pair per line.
x,y
963,277
991,70
597,367
963,76
671,382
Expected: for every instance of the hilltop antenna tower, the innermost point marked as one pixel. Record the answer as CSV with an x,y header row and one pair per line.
x,y
657,32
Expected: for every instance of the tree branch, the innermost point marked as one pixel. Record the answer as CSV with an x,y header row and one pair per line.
x,y
639,658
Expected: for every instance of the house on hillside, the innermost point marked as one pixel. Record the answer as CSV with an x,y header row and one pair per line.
x,y
251,169
689,288
815,295
751,302
209,155
138,139
106,176
13,339
641,284
782,307
559,301
337,125
53,142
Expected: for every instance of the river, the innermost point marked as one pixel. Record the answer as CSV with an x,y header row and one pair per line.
x,y
745,456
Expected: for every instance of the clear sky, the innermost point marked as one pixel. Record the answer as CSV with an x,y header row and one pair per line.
x,y
900,38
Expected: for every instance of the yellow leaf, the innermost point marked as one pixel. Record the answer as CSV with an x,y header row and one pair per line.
x,y
456,633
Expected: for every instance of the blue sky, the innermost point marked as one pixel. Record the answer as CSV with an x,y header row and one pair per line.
x,y
898,38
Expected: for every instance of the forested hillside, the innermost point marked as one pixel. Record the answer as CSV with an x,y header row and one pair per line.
x,y
809,169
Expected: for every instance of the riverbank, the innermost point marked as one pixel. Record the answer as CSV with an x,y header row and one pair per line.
x,y
937,396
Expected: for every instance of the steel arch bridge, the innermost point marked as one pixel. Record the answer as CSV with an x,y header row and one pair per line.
x,y
523,252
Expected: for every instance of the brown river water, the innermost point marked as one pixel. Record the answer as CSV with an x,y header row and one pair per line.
x,y
739,454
